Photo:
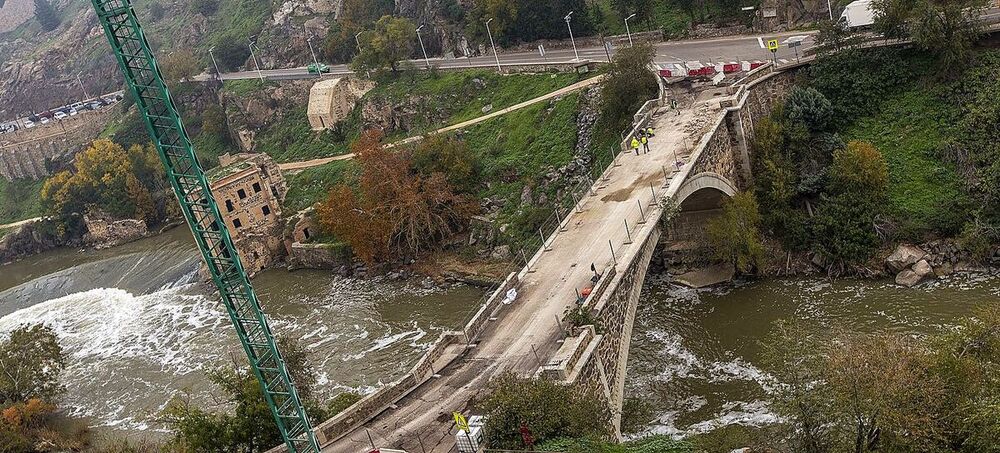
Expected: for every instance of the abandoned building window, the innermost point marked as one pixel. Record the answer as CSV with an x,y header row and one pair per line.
x,y
229,206
242,193
256,255
274,192
256,187
237,224
306,233
266,210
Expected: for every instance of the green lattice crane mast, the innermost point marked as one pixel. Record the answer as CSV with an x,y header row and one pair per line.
x,y
188,180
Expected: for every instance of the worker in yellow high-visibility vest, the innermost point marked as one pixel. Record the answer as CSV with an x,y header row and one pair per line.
x,y
645,143
635,145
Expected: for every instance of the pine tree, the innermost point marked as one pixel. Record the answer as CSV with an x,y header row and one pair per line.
x,y
47,16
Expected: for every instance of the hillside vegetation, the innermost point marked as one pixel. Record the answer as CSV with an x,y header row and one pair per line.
x,y
877,149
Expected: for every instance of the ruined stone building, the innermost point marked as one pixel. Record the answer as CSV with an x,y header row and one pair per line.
x,y
249,190
332,100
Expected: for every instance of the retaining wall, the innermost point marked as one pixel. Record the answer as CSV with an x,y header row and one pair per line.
x,y
24,153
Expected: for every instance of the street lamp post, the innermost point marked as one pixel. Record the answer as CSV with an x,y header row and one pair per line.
x,y
254,56
829,8
86,96
309,41
627,31
422,49
567,19
495,55
218,73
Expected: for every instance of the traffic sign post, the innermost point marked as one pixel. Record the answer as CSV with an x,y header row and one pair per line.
x,y
772,45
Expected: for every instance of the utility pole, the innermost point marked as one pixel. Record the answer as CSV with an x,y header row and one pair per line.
x,y
830,8
254,56
86,96
567,19
218,74
495,55
422,49
309,41
627,31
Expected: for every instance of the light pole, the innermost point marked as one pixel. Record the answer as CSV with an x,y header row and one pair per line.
x,y
495,55
829,8
254,56
422,49
627,31
567,18
86,96
218,73
309,38
357,40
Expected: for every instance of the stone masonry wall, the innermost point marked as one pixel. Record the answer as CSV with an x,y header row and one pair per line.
x,y
616,314
23,154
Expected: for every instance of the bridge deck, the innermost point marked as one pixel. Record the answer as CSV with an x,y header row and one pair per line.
x,y
528,326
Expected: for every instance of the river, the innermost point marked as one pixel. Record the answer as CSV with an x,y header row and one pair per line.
x,y
695,354
139,330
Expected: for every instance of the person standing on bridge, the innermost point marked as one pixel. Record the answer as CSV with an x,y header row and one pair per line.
x,y
649,132
645,143
635,145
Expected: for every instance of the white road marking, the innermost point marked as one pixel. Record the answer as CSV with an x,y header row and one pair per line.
x,y
761,42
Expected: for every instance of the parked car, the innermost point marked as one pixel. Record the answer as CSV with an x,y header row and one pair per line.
x,y
60,115
45,120
28,124
73,111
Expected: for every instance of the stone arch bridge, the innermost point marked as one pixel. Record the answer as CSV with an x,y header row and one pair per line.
x,y
698,157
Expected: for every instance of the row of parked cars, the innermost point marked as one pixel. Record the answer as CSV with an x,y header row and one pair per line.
x,y
65,111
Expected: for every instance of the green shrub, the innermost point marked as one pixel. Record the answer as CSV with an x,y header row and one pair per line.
x,y
548,409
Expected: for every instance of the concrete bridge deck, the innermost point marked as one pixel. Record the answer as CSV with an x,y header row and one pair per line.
x,y
525,334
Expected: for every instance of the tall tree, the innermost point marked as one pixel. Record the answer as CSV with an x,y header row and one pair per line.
x,y
392,40
628,84
396,210
735,234
46,15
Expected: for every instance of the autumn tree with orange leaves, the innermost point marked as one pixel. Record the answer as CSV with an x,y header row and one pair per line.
x,y
395,210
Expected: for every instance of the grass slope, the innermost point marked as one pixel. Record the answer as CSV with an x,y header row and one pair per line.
x,y
19,200
312,185
446,98
911,129
517,150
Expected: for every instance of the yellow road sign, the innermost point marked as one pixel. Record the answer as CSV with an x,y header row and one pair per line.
x,y
461,422
772,45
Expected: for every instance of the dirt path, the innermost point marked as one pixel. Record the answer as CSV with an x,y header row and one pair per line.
x,y
19,223
301,165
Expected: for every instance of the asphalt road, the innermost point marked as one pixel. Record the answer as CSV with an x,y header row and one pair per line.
x,y
732,48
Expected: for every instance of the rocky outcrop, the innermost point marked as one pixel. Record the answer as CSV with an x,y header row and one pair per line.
x,y
27,240
319,256
904,257
913,264
920,272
